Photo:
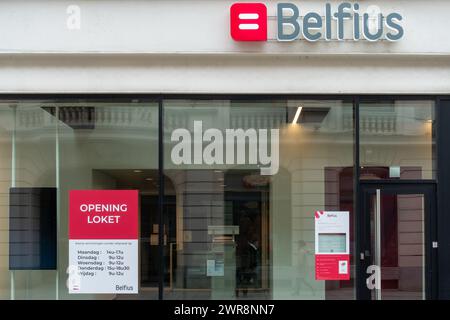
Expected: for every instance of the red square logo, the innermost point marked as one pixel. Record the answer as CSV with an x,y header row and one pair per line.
x,y
248,22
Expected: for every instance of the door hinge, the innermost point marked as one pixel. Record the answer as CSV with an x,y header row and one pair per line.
x,y
435,244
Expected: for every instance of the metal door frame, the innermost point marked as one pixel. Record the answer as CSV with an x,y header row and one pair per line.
x,y
368,188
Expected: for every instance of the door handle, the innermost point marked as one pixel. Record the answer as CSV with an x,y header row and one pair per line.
x,y
378,237
363,255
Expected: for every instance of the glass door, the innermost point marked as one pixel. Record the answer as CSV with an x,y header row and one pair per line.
x,y
397,241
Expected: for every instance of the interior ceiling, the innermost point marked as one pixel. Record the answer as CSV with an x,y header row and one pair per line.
x,y
128,177
149,178
75,117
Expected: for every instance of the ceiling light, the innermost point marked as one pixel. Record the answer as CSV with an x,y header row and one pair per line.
x,y
137,171
297,115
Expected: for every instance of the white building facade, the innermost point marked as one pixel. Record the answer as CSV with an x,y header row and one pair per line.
x,y
91,93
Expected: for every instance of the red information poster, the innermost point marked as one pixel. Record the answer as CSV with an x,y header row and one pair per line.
x,y
103,241
332,245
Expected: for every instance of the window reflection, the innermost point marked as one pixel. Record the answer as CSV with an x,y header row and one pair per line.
x,y
396,140
245,234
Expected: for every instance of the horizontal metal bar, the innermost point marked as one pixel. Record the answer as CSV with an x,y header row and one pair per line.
x,y
153,97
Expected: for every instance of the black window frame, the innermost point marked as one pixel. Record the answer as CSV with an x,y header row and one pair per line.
x,y
441,133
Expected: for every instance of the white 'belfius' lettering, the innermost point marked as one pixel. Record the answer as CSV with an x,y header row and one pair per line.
x,y
372,25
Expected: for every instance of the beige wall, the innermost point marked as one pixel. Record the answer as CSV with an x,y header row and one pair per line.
x,y
295,196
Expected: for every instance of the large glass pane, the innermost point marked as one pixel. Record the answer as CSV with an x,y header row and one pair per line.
x,y
246,179
27,168
396,140
398,244
111,146
51,148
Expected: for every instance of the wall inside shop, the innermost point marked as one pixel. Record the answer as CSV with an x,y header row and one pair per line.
x,y
305,158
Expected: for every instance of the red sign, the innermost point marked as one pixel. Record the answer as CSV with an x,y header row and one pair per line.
x,y
332,245
332,267
103,214
248,22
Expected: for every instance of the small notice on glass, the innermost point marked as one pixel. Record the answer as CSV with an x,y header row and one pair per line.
x,y
332,241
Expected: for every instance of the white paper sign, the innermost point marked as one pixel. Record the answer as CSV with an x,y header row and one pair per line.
x,y
103,241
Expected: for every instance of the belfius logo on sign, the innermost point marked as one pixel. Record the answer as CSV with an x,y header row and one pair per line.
x,y
103,241
248,22
332,245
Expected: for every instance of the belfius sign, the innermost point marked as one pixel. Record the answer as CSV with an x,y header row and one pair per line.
x,y
248,22
103,241
332,245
